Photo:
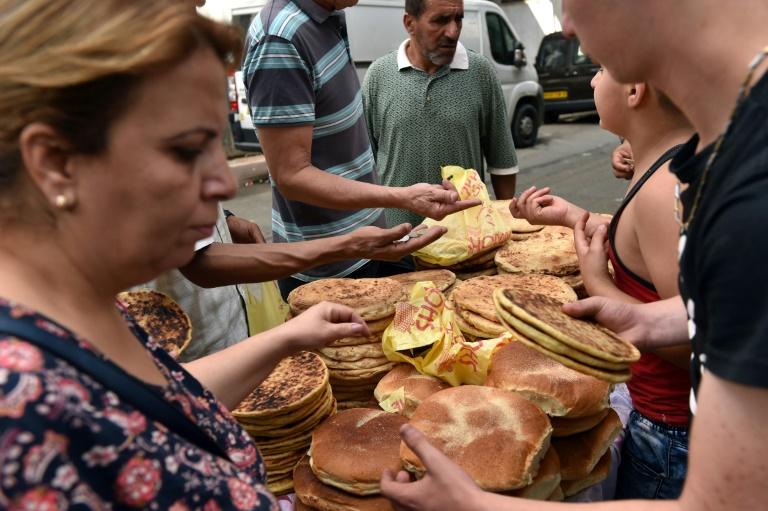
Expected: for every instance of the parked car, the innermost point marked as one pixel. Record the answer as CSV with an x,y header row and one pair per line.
x,y
565,72
375,28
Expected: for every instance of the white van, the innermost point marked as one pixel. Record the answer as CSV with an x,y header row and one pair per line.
x,y
375,28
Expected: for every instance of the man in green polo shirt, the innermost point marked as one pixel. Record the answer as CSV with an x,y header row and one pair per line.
x,y
432,103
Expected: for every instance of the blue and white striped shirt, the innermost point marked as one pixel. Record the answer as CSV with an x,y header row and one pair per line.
x,y
298,71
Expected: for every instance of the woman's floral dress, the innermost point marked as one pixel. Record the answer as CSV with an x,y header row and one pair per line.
x,y
66,442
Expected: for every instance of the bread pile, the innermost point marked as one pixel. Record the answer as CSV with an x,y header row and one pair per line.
x,y
472,300
356,364
164,321
538,322
584,427
348,455
549,251
281,413
473,425
520,228
477,265
407,384
444,280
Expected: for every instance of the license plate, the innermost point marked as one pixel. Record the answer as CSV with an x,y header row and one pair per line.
x,y
556,94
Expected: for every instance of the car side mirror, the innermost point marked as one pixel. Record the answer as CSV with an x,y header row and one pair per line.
x,y
518,56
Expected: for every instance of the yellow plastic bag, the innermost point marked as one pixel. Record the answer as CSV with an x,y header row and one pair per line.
x,y
264,306
424,334
471,231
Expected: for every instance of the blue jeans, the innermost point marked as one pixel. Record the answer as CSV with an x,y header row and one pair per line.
x,y
654,460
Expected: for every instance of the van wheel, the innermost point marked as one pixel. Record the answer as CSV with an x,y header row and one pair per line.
x,y
525,125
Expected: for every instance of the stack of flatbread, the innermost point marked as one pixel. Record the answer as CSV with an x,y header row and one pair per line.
x,y
283,411
444,280
477,265
584,427
538,322
356,364
498,437
472,300
164,321
549,251
349,453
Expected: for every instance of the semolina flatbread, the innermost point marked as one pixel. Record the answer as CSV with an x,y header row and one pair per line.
x,y
549,251
598,474
516,225
441,278
468,328
357,341
164,321
552,344
362,374
497,437
609,376
295,382
372,299
476,295
567,426
292,417
545,314
474,274
362,363
352,353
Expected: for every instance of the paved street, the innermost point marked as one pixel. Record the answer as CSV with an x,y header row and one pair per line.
x,y
572,156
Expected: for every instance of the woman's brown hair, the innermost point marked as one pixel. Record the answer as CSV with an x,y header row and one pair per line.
x,y
73,64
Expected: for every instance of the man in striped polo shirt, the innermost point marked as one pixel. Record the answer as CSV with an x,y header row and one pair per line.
x,y
306,104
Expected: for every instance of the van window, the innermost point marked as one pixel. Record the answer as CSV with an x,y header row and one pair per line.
x,y
580,58
501,38
552,55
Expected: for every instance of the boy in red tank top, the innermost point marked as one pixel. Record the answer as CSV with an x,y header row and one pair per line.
x,y
641,244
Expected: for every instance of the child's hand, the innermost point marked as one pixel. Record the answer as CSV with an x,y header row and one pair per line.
x,y
540,208
593,255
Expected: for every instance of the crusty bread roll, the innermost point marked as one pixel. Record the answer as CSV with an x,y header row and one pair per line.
x,y
351,449
579,454
497,437
416,387
558,390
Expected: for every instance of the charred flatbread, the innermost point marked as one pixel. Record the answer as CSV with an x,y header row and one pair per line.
x,y
296,381
164,321
545,314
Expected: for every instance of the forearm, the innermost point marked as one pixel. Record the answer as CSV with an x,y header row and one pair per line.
x,y
504,186
231,374
604,286
495,502
667,324
319,188
223,264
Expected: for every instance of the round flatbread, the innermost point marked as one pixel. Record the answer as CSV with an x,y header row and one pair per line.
x,y
567,426
441,278
372,299
476,295
557,389
549,251
357,341
352,353
164,321
473,425
295,382
544,314
516,225
312,492
351,449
